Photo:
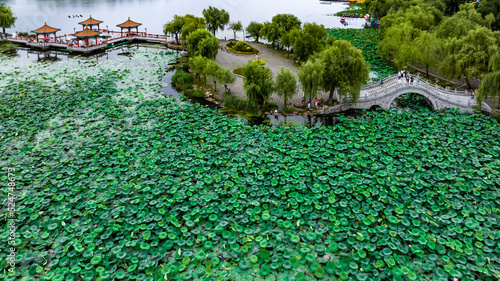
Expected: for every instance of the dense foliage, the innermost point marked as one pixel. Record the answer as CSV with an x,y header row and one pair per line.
x,y
368,41
202,43
114,182
216,19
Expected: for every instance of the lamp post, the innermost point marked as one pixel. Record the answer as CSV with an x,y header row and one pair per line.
x,y
244,35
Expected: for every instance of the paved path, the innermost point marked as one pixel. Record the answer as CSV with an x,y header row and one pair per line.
x,y
274,60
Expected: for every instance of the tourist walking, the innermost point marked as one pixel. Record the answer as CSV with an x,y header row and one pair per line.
x,y
418,79
381,82
473,93
316,102
309,106
407,79
399,81
411,80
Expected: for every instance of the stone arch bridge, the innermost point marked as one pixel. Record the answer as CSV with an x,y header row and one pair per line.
x,y
383,95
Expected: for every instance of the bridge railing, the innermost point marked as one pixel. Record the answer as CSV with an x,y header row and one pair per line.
x,y
388,81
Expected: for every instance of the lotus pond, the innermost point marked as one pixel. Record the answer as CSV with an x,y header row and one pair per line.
x,y
367,40
114,181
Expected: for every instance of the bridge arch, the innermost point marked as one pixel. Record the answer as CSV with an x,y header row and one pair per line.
x,y
428,96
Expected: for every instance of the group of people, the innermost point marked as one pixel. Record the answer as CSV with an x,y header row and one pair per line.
x,y
404,74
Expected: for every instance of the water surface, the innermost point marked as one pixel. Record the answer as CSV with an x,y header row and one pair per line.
x,y
153,14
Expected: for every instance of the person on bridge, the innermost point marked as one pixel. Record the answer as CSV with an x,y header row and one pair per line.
x,y
399,81
381,82
418,79
411,80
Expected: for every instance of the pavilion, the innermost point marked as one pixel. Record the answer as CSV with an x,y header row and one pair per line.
x,y
86,34
45,30
90,22
128,25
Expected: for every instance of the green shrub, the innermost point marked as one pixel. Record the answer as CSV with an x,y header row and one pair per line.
x,y
242,46
182,80
231,44
259,61
233,104
238,71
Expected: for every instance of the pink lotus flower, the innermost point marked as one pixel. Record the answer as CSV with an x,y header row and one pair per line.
x,y
409,245
205,206
286,181
95,225
455,279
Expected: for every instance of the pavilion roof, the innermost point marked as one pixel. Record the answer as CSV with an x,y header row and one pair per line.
x,y
87,33
45,29
90,21
129,24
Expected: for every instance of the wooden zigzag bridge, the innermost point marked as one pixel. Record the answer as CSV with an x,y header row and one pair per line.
x,y
93,39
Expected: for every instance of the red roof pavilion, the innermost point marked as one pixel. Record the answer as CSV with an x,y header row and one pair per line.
x,y
86,34
90,22
45,30
128,25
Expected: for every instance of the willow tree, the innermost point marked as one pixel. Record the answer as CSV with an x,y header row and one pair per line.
x,y
174,27
216,19
343,68
490,85
236,27
202,42
7,18
310,78
425,49
258,87
286,84
468,57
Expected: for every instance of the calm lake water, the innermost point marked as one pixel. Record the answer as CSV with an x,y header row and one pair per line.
x,y
153,14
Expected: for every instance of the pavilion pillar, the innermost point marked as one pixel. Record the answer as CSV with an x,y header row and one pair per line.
x,y
121,32
55,37
78,42
87,42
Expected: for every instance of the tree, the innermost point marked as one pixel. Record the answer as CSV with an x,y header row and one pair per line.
x,y
254,29
487,7
225,76
310,78
343,67
198,65
396,43
490,85
461,22
257,86
216,19
174,27
467,57
7,18
311,39
202,42
288,39
192,23
282,24
271,32
286,84
425,49
211,70
236,27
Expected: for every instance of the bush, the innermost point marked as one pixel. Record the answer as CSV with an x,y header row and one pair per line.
x,y
259,61
182,64
242,46
232,103
182,80
238,71
192,93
